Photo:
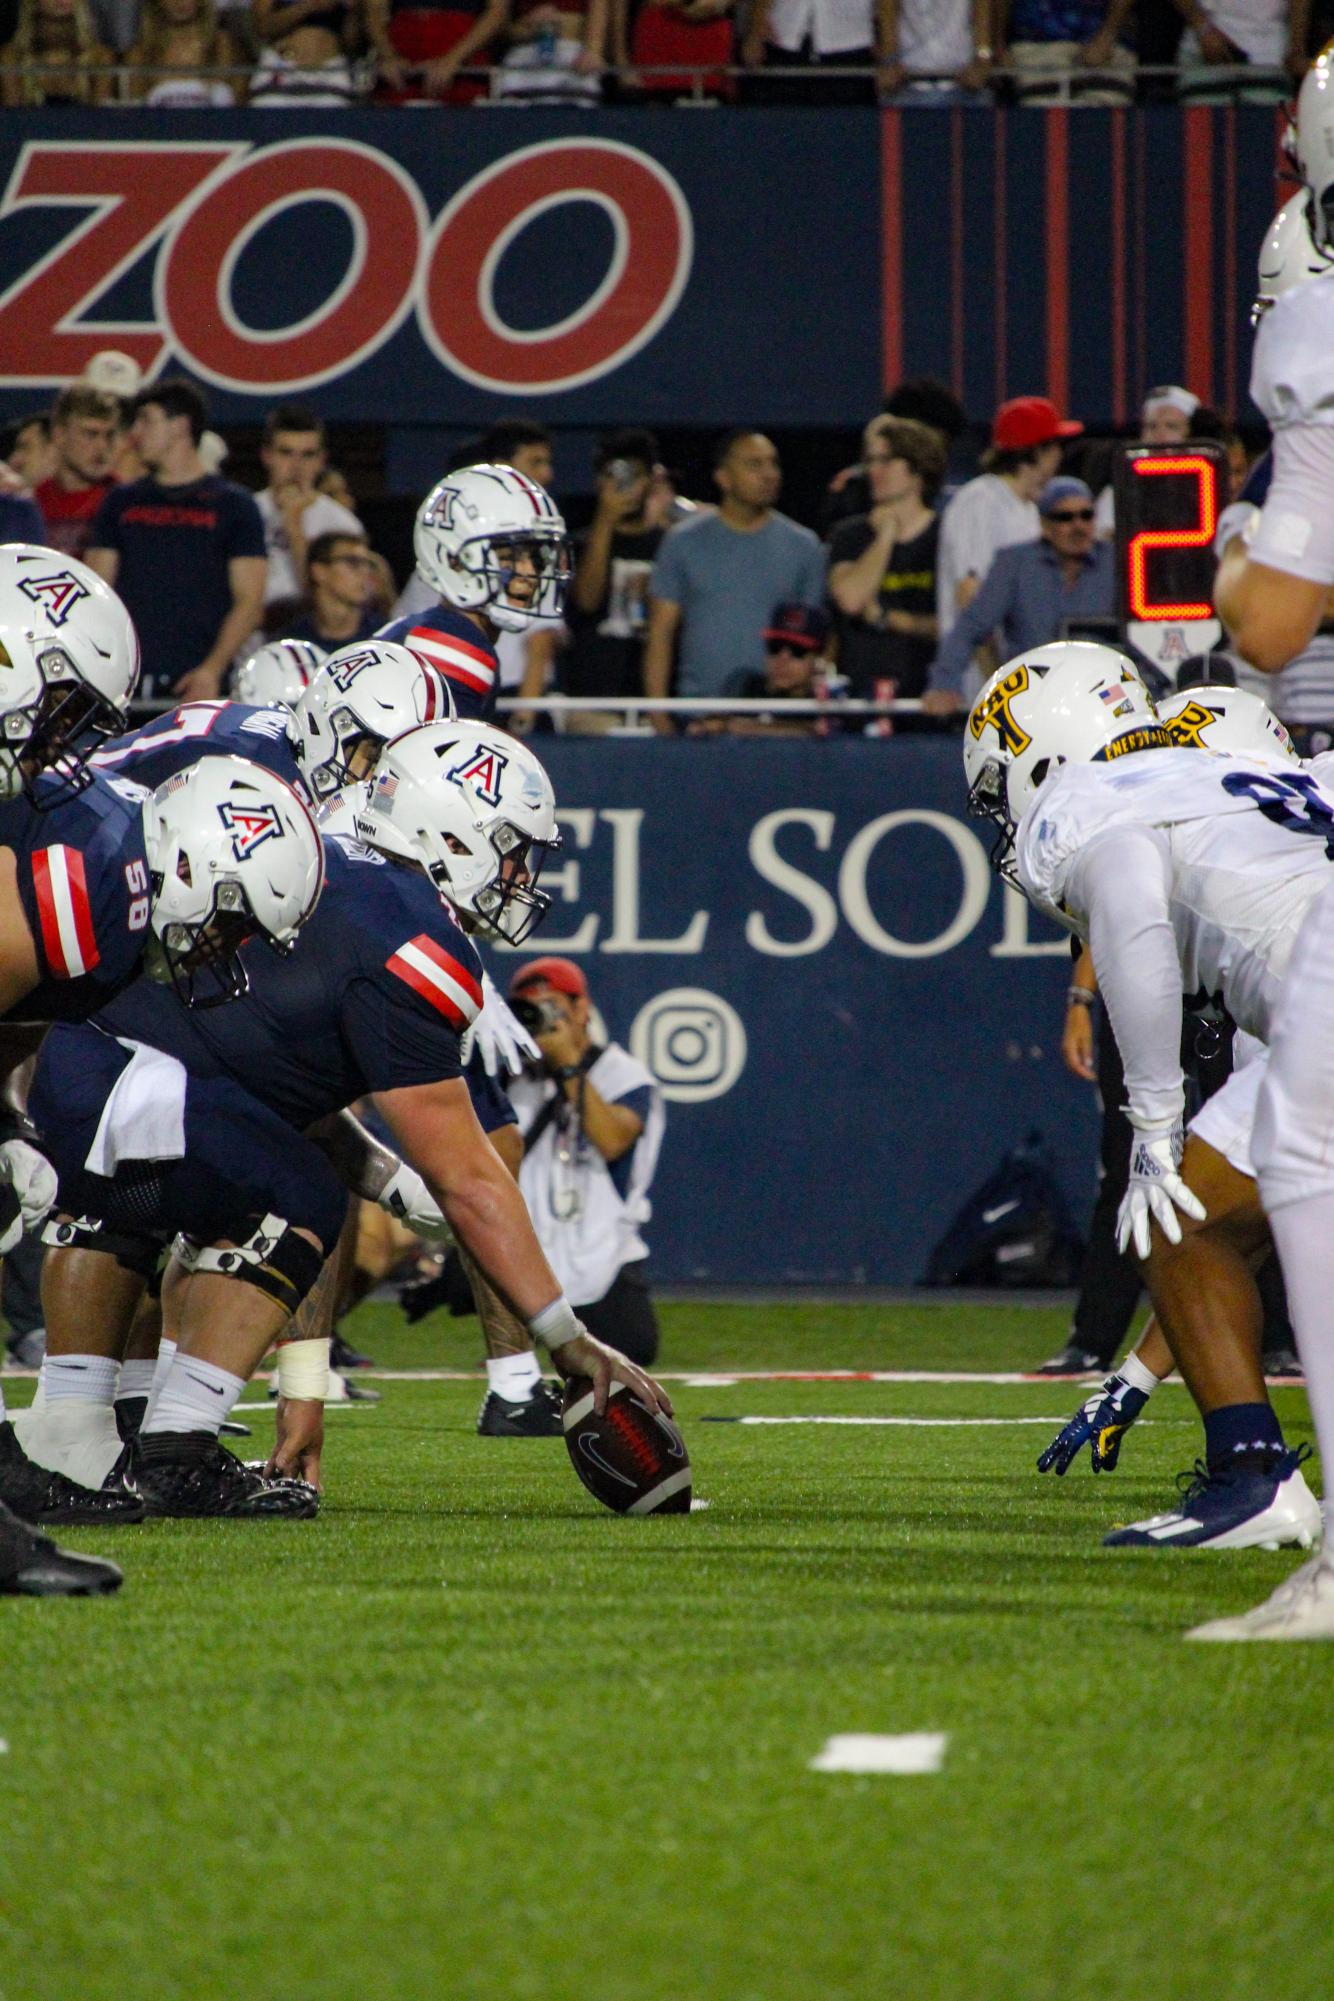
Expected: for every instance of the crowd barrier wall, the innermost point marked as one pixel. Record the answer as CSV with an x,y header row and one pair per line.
x,y
851,1020
698,267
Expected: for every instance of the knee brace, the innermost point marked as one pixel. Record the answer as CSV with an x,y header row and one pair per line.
x,y
274,1258
84,1233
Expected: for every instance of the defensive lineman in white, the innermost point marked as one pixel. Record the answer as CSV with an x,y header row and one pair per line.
x,y
1184,870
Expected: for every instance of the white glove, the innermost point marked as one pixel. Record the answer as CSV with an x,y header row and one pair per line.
x,y
507,1048
33,1180
406,1196
1156,1191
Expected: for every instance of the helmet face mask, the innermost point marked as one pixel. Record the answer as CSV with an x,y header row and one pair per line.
x,y
490,540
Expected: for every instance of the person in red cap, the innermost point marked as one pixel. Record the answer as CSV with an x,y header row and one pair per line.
x,y
592,1121
996,509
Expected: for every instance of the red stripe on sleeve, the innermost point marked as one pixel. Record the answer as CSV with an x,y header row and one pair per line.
x,y
83,910
471,986
419,983
52,949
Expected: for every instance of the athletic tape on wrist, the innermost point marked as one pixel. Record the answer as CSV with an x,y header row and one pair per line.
x,y
555,1324
303,1369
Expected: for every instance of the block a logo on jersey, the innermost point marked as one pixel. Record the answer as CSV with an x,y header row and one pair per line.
x,y
483,769
249,827
345,671
57,593
994,713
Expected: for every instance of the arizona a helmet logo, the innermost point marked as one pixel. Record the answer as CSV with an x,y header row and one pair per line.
x,y
57,593
344,672
249,826
483,769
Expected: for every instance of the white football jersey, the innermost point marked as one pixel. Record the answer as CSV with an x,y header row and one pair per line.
x,y
1250,845
1292,369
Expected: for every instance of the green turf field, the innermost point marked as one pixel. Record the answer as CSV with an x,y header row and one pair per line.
x,y
469,1738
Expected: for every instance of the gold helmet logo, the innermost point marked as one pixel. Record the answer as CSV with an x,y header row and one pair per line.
x,y
993,712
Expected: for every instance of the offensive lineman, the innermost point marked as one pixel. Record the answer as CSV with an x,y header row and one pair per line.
x,y
374,1004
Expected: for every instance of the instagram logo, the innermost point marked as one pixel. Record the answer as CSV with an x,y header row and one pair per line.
x,y
692,1041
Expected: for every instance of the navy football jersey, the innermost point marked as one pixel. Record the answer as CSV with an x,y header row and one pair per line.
x,y
375,997
83,880
175,741
449,641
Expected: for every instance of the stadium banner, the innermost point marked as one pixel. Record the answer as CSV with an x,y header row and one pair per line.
x,y
851,1021
699,268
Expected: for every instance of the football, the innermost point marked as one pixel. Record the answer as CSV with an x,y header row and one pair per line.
x,y
632,1459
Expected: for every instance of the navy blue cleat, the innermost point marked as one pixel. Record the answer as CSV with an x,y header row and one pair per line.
x,y
1233,1509
1101,1422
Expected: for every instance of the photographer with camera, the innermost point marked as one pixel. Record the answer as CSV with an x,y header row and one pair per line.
x,y
592,1120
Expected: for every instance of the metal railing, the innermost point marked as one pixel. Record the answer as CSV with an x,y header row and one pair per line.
x,y
698,83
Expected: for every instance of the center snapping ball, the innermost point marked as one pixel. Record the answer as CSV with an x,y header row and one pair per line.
x,y
632,1459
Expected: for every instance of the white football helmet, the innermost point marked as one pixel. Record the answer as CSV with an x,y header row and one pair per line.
x,y
277,673
363,696
1288,255
476,810
1313,146
232,853
1222,718
474,530
1071,702
69,661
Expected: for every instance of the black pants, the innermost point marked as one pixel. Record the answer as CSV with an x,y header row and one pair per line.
x,y
1109,1282
813,88
624,1317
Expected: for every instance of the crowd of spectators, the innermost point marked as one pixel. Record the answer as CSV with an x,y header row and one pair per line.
x,y
331,53
928,568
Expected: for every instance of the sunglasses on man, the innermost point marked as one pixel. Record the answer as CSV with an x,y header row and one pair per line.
x,y
1071,514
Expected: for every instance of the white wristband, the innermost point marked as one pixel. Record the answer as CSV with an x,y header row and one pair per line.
x,y
555,1324
303,1370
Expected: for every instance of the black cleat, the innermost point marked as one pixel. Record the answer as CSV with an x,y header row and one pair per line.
x,y
35,1494
1284,1362
188,1474
343,1356
1073,1361
538,1417
31,1566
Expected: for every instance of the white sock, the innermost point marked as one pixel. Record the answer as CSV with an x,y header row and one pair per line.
x,y
136,1379
166,1355
515,1377
87,1378
1304,1234
196,1396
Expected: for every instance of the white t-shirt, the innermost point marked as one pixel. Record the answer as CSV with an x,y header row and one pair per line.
x,y
323,517
1185,869
834,26
984,516
1259,28
935,35
589,1214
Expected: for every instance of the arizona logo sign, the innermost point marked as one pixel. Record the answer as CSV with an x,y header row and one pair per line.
x,y
249,826
483,769
57,593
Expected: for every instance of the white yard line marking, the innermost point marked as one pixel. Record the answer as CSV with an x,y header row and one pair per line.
x,y
917,1752
697,1379
932,1423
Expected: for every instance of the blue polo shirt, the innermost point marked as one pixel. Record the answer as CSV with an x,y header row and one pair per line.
x,y
175,544
1024,598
